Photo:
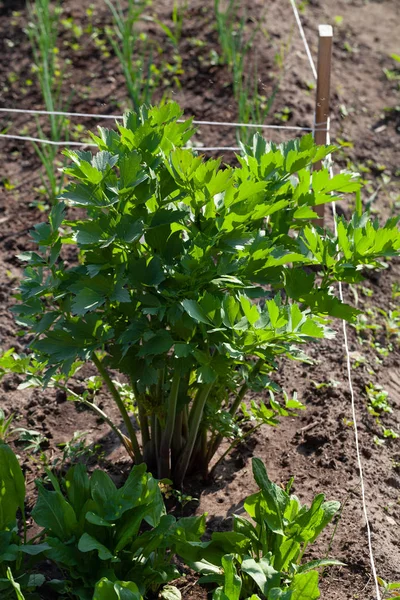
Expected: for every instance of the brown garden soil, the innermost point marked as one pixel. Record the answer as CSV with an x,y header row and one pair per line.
x,y
318,447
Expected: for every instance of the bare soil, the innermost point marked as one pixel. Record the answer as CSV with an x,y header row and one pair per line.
x,y
318,447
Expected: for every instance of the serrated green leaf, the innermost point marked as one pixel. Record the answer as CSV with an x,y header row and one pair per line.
x,y
159,343
87,300
102,160
194,310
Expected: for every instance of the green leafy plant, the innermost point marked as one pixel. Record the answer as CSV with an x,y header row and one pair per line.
x,y
378,404
32,439
15,571
129,45
236,44
393,74
191,279
76,449
390,590
378,399
94,532
264,555
42,30
5,423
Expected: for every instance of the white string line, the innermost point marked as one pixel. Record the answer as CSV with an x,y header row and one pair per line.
x,y
346,341
26,138
353,409
303,37
195,122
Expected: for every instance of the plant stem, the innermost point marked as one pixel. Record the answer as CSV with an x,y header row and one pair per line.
x,y
121,407
185,423
160,386
177,441
245,386
164,467
339,518
157,436
195,420
235,405
143,420
106,418
233,445
144,423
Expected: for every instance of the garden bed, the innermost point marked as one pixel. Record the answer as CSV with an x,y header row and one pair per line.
x,y
317,447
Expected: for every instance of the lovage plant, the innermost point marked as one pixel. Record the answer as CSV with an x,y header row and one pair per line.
x,y
190,279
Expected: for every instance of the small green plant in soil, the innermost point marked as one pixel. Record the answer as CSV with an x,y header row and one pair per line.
x,y
395,291
32,440
378,404
42,30
394,73
379,328
389,590
378,400
231,29
253,106
5,423
263,557
192,280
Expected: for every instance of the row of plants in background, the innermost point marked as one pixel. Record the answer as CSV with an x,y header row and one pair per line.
x,y
136,51
192,281
133,48
43,32
237,45
133,51
119,543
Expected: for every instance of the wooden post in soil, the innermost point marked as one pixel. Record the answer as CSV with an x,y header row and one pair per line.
x,y
325,36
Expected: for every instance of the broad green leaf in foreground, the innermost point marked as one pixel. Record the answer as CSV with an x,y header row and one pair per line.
x,y
12,487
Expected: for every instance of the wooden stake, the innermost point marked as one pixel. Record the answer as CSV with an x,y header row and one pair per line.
x,y
325,35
